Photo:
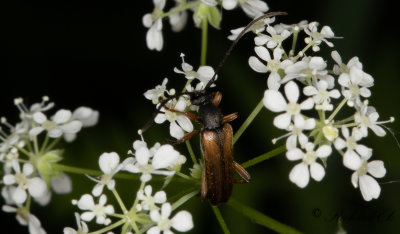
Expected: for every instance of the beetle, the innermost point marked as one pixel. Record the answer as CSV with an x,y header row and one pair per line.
x,y
216,135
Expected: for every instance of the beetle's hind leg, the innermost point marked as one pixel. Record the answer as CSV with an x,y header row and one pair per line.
x,y
230,117
242,172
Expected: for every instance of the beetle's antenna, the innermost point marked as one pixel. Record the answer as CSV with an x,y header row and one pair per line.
x,y
268,15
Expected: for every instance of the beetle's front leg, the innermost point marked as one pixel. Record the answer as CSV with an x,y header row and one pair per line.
x,y
187,137
190,115
242,172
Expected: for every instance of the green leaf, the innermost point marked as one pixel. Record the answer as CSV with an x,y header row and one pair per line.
x,y
214,17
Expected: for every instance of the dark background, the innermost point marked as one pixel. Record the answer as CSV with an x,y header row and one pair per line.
x,y
94,53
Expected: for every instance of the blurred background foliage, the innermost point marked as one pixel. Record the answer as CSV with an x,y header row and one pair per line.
x,y
93,53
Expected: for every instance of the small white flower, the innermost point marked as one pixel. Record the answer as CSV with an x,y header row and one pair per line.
x,y
82,226
109,165
369,188
351,158
26,219
314,67
100,210
61,184
153,21
179,123
274,39
36,107
36,186
155,94
256,28
148,202
60,123
367,117
274,101
316,37
87,116
273,65
203,74
252,8
160,156
296,131
321,95
300,174
293,27
182,221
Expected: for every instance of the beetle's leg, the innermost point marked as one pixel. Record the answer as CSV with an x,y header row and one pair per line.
x,y
242,172
230,117
217,98
187,114
187,137
203,184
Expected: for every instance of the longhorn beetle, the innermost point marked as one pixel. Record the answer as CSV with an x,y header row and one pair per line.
x,y
216,136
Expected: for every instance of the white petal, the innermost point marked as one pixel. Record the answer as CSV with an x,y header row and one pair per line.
x,y
291,142
379,131
145,177
317,63
62,116
61,184
300,175
97,190
155,215
72,127
292,91
160,197
335,55
310,90
185,123
108,162
273,81
37,187
154,36
229,4
369,187
307,104
376,168
340,143
274,101
160,118
9,179
142,155
182,221
282,121
86,202
19,195
87,216
147,20
35,131
263,53
175,130
364,151
261,40
27,169
324,151
165,156
294,154
86,115
334,93
351,160
354,179
165,210
205,73
39,117
257,65
209,2
153,230
55,132
317,171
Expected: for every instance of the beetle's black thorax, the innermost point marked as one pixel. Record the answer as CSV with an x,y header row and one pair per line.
x,y
210,116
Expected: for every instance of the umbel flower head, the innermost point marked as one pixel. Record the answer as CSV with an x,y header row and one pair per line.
x,y
308,97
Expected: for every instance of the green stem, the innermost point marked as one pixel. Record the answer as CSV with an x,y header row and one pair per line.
x,y
46,141
264,156
261,218
337,109
183,176
248,121
220,219
76,170
303,50
204,32
27,153
183,199
53,144
183,7
108,228
119,200
36,145
191,153
294,43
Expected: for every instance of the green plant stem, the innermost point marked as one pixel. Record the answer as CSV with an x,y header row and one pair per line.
x,y
191,153
204,35
261,218
108,228
337,109
119,200
183,7
220,219
248,121
264,156
52,144
46,141
183,199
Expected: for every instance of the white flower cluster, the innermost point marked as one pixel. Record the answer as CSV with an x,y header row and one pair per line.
x,y
308,96
173,109
28,170
204,10
147,208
